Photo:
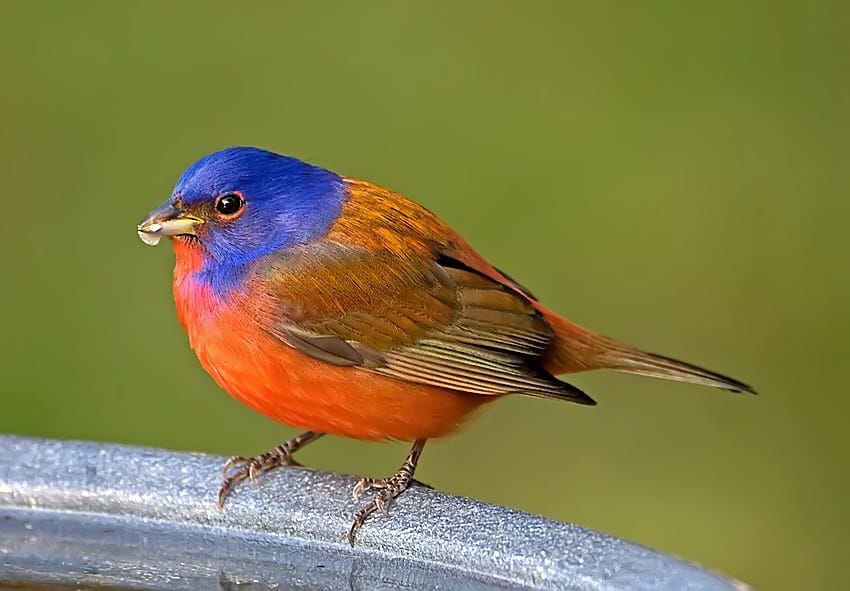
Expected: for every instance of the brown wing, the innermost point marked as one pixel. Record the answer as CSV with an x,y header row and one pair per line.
x,y
445,325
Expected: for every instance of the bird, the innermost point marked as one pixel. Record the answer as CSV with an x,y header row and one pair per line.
x,y
337,306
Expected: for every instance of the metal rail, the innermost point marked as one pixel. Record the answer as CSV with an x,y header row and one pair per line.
x,y
79,513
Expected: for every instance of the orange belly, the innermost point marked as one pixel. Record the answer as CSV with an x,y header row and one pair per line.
x,y
297,390
292,388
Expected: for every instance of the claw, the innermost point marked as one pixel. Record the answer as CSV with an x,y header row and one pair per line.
x,y
362,486
230,463
353,530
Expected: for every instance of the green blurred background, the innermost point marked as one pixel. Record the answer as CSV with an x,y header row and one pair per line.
x,y
673,174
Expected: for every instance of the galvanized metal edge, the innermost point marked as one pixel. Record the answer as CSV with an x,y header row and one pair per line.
x,y
93,513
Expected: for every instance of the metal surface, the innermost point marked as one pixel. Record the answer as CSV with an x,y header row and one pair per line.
x,y
96,514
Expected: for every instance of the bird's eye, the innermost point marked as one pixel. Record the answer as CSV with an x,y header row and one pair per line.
x,y
229,205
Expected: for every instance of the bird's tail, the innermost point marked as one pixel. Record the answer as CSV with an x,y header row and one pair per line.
x,y
578,349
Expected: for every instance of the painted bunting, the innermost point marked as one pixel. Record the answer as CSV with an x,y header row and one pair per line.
x,y
337,306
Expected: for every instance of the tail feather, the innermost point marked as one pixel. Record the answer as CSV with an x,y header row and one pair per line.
x,y
658,366
578,349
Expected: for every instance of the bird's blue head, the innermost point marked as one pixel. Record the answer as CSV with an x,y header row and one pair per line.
x,y
240,204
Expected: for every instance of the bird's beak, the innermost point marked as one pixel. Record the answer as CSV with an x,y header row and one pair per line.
x,y
167,220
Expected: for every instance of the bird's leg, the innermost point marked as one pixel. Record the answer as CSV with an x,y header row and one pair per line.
x,y
386,489
249,468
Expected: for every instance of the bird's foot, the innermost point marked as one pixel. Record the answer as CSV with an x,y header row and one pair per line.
x,y
386,489
244,468
239,468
